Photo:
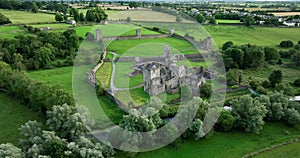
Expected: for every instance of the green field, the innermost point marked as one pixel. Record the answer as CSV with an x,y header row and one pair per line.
x,y
233,144
112,30
222,21
53,26
150,47
263,36
104,73
23,17
11,31
290,150
12,116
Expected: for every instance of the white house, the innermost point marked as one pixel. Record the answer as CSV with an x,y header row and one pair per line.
x,y
73,22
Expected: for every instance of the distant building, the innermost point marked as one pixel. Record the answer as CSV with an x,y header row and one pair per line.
x,y
73,22
289,24
45,28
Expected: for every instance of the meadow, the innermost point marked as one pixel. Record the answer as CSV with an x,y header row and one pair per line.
x,y
53,26
290,150
12,116
233,144
11,31
23,17
263,36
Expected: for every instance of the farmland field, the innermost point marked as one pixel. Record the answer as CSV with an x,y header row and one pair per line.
x,y
23,17
12,116
53,26
263,36
145,15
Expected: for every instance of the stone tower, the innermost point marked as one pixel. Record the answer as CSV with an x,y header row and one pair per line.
x,y
172,31
138,33
98,35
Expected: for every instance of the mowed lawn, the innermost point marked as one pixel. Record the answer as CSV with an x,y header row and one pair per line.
x,y
263,36
112,30
23,17
12,116
286,151
233,144
11,31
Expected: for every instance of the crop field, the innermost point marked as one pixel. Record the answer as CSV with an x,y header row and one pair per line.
x,y
112,30
150,47
221,21
226,145
285,13
145,15
11,31
12,116
290,150
263,36
23,17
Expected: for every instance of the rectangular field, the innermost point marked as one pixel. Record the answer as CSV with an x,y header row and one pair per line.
x,y
23,17
11,31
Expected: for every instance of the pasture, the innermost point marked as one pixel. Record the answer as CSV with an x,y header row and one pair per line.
x,y
53,26
12,116
11,31
263,36
225,145
23,17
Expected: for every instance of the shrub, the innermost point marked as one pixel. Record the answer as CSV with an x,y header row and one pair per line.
x,y
225,121
286,44
297,82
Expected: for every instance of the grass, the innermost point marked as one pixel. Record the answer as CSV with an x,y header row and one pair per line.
x,y
11,31
104,73
23,17
150,47
226,145
53,26
12,116
112,30
136,96
290,150
188,63
62,76
122,80
223,21
263,36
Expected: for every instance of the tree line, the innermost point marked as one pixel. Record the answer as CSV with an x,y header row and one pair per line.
x,y
36,52
20,5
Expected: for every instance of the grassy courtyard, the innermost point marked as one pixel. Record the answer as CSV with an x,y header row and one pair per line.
x,y
12,116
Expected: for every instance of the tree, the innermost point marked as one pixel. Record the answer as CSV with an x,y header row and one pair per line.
x,y
75,14
195,130
206,90
59,17
225,121
248,113
9,150
292,117
275,77
96,15
43,57
271,54
178,19
18,62
212,20
81,17
254,57
185,92
70,122
227,45
248,20
287,89
296,58
286,44
4,19
236,54
128,19
297,82
35,8
200,18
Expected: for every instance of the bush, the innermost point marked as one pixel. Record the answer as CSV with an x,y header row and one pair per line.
x,y
156,29
261,90
254,84
266,84
235,87
206,90
225,121
297,82
286,44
